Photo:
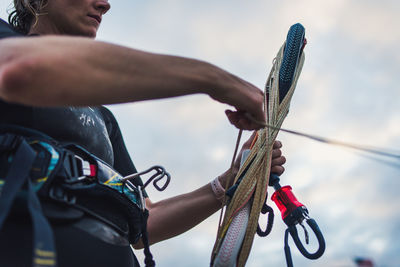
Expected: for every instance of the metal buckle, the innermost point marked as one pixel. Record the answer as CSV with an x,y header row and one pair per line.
x,y
76,168
131,187
85,168
142,200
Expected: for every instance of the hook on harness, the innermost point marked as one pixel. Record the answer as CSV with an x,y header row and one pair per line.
x,y
159,174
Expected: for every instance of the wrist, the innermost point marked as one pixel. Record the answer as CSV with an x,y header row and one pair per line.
x,y
215,81
218,189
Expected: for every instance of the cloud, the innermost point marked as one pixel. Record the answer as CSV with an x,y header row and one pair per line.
x,y
348,91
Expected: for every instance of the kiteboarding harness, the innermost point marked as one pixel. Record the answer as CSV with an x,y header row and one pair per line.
x,y
37,170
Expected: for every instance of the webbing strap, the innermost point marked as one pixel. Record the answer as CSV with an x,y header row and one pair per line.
x,y
15,179
18,174
148,260
43,240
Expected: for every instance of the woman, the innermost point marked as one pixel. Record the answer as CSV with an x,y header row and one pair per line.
x,y
54,81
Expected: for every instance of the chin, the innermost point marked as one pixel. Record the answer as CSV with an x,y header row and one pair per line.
x,y
86,31
90,33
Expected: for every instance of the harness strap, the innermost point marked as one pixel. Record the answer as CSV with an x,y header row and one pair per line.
x,y
73,176
19,173
43,238
148,257
8,141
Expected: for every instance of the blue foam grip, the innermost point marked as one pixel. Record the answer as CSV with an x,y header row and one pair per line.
x,y
291,56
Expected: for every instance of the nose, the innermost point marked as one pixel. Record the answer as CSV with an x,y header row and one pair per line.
x,y
102,5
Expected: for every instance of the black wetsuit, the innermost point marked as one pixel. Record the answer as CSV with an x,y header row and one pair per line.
x,y
95,129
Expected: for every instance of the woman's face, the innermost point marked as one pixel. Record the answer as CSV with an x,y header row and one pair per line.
x,y
74,17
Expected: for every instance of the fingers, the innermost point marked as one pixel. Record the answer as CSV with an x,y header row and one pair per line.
x,y
277,159
241,121
278,170
258,119
255,108
276,153
277,144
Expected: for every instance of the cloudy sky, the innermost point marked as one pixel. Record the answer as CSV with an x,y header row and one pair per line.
x,y
348,91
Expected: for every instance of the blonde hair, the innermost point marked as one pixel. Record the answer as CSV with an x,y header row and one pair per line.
x,y
25,13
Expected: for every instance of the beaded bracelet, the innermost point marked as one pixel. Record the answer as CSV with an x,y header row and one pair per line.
x,y
218,190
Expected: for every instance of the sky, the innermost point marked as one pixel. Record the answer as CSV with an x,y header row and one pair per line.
x,y
348,91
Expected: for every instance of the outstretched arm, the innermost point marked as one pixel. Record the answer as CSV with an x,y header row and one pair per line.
x,y
60,71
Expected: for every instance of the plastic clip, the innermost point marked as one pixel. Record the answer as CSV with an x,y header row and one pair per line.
x,y
76,168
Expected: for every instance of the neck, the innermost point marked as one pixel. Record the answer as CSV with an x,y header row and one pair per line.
x,y
42,29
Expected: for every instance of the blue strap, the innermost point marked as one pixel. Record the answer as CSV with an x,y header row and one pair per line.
x,y
43,239
43,242
17,175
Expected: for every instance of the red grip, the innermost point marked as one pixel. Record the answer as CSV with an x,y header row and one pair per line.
x,y
285,200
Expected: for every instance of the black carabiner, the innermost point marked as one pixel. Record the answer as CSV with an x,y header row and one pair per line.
x,y
270,221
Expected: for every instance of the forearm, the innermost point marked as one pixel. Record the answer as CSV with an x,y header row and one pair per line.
x,y
173,216
69,71
78,71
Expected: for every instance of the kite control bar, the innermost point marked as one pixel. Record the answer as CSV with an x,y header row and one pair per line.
x,y
293,213
233,244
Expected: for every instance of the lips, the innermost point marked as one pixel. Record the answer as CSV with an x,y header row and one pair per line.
x,y
96,17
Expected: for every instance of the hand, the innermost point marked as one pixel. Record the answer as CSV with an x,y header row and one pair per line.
x,y
244,96
276,162
241,121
